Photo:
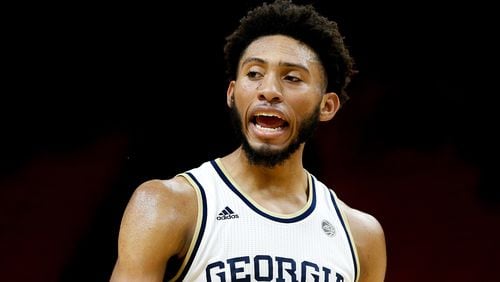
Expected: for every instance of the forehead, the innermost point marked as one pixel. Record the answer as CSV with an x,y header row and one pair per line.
x,y
281,48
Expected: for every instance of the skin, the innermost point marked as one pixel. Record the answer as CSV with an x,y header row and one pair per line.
x,y
277,76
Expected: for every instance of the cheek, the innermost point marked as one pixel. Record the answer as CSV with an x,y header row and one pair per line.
x,y
240,101
246,85
303,104
243,94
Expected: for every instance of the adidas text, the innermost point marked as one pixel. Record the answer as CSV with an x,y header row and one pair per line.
x,y
223,217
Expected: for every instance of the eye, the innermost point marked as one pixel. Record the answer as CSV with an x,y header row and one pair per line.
x,y
292,78
254,74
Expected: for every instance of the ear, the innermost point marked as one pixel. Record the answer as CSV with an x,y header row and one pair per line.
x,y
330,104
230,94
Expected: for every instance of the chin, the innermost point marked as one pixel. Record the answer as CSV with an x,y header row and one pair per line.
x,y
268,155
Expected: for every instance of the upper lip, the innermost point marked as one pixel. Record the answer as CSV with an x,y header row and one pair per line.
x,y
267,111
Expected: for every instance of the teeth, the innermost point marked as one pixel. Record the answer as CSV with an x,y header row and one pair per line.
x,y
267,128
267,115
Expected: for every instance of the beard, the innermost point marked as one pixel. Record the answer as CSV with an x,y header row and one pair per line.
x,y
268,157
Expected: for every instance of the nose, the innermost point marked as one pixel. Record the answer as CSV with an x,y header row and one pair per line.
x,y
270,89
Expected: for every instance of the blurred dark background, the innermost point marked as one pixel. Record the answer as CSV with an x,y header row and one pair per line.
x,y
99,98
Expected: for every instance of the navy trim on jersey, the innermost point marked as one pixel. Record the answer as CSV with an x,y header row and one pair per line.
x,y
257,210
202,227
349,239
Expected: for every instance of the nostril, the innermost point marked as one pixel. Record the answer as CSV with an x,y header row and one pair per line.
x,y
270,98
270,95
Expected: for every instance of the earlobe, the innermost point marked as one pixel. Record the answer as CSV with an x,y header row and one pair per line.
x,y
230,94
330,104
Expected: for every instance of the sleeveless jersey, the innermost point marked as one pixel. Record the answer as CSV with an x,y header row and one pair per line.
x,y
236,239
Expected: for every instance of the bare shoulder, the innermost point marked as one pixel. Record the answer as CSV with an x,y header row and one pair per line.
x,y
169,194
163,202
369,238
156,226
365,227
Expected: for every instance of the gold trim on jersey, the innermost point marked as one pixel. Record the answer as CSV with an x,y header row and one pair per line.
x,y
196,233
263,209
349,235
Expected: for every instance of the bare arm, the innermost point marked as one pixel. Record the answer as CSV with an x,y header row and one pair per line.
x,y
369,239
157,225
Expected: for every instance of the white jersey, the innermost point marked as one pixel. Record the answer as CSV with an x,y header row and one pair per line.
x,y
236,239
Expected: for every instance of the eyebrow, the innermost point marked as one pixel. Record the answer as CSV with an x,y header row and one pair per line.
x,y
285,64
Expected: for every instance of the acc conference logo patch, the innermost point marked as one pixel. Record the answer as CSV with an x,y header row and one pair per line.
x,y
328,228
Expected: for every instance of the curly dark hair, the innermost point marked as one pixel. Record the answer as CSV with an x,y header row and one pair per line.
x,y
303,23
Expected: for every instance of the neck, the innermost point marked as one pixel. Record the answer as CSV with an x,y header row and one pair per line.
x,y
281,189
288,176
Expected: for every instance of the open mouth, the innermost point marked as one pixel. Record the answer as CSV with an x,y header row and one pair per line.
x,y
268,122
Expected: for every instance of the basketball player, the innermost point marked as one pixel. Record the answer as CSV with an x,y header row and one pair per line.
x,y
257,214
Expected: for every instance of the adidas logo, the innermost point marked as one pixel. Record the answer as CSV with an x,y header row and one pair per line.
x,y
227,213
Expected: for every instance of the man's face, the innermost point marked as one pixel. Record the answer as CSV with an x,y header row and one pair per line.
x,y
276,99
